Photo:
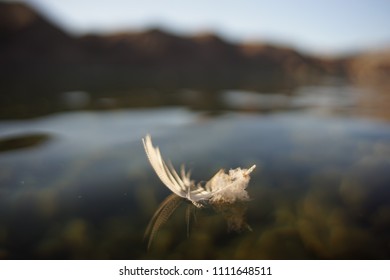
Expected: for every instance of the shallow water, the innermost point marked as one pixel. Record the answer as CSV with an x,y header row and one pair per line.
x,y
77,185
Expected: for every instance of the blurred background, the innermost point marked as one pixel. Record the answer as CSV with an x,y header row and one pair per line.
x,y
300,88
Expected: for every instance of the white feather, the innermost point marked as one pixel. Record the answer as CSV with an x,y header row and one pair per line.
x,y
222,188
181,186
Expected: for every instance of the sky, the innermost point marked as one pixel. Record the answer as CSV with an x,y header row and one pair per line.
x,y
321,27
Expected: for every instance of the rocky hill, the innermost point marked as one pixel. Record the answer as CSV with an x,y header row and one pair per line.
x,y
34,50
371,68
34,53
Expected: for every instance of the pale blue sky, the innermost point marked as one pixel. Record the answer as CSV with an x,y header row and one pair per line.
x,y
327,27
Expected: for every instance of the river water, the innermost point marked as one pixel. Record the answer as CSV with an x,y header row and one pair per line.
x,y
76,184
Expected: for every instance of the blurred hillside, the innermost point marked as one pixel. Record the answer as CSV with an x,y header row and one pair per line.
x,y
33,49
371,68
36,55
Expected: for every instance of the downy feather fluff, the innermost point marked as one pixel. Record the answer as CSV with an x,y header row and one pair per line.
x,y
222,188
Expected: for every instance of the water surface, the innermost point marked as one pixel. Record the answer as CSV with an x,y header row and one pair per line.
x,y
75,183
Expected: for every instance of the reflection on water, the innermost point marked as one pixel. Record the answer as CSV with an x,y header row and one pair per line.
x,y
320,190
21,142
162,214
234,214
